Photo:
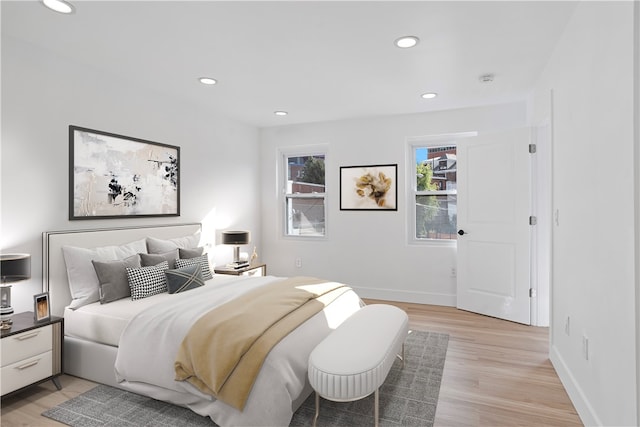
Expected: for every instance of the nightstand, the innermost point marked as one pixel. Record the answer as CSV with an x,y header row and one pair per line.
x,y
31,352
252,270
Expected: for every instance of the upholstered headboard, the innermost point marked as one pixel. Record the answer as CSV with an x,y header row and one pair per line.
x,y
54,271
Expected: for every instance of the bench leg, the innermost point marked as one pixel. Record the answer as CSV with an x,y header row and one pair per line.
x,y
376,407
401,356
315,418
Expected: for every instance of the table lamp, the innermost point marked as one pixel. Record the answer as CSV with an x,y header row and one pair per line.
x,y
13,268
236,238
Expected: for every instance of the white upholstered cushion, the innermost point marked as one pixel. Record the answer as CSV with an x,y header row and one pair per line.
x,y
354,360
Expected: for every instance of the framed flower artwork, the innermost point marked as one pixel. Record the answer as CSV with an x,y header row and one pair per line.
x,y
369,188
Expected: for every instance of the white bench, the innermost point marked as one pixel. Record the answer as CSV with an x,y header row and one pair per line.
x,y
353,361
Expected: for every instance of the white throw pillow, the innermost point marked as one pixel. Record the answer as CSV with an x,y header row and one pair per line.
x,y
83,280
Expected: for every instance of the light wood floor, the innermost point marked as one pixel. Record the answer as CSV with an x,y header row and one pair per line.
x,y
497,373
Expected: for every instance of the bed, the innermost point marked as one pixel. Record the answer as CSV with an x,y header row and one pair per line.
x,y
132,344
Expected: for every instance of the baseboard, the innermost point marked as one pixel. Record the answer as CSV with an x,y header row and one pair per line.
x,y
407,296
585,411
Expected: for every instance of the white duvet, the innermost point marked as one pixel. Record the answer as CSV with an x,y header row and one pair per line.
x,y
150,342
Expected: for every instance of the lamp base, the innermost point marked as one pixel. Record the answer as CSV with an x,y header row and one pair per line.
x,y
5,317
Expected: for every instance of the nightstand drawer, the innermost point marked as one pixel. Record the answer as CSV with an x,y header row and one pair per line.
x,y
250,270
256,272
26,372
29,343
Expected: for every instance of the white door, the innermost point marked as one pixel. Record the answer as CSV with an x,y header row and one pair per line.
x,y
493,225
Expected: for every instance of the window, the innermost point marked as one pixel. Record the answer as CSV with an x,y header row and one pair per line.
x,y
305,194
435,192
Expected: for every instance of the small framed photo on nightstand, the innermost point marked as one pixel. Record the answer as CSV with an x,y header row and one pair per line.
x,y
41,309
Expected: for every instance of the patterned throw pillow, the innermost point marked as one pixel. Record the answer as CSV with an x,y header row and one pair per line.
x,y
183,279
203,261
147,281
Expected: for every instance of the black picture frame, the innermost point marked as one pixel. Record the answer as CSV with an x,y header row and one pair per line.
x,y
369,188
117,176
41,307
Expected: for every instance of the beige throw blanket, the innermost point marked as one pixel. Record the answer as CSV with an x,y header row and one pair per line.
x,y
224,350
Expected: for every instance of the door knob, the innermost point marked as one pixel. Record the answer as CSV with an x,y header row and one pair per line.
x,y
462,232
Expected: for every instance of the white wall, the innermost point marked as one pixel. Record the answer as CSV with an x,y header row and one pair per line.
x,y
42,95
587,90
636,54
369,249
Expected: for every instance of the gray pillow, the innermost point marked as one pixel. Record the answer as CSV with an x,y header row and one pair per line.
x,y
190,253
147,260
158,246
185,278
112,278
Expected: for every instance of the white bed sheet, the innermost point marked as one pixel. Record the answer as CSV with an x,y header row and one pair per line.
x,y
281,385
104,323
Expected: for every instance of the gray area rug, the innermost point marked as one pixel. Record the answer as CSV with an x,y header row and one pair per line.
x,y
407,398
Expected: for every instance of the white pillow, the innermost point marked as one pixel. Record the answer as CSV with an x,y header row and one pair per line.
x,y
159,246
83,281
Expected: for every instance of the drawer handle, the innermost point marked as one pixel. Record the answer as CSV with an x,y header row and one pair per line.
x,y
28,365
27,336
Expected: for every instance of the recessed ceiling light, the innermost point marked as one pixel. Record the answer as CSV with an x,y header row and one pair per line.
x,y
407,42
280,113
58,6
207,81
429,95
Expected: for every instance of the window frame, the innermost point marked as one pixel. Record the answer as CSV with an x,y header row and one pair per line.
x,y
300,151
411,187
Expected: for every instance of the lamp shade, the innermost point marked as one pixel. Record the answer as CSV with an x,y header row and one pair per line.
x,y
15,267
236,237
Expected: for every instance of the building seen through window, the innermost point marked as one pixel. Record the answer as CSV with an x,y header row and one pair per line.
x,y
305,195
436,192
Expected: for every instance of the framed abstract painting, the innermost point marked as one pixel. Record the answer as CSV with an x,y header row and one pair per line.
x,y
369,188
115,176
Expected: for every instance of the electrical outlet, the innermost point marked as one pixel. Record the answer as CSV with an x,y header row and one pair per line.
x,y
298,263
567,326
454,272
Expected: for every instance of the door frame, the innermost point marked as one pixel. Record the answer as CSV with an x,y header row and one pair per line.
x,y
541,239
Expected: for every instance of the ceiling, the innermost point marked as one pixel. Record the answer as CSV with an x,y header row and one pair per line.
x,y
319,61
